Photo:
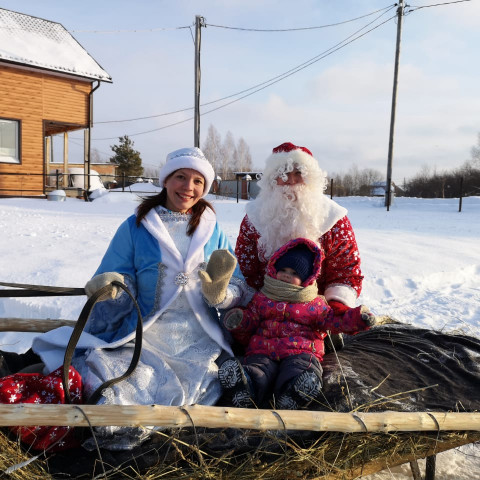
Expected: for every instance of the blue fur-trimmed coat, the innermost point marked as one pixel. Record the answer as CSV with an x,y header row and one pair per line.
x,y
151,264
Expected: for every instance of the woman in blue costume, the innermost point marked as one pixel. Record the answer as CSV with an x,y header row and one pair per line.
x,y
161,254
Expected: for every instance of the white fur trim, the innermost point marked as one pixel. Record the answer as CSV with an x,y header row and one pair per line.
x,y
333,213
188,158
342,293
276,163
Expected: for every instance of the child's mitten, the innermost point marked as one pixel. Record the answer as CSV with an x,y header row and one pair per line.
x,y
367,316
216,277
102,280
233,318
362,313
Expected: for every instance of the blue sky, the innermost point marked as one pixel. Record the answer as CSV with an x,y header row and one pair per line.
x,y
339,107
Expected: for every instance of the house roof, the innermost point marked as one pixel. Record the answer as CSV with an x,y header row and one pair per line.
x,y
35,42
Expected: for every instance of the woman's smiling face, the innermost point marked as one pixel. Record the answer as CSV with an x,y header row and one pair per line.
x,y
184,189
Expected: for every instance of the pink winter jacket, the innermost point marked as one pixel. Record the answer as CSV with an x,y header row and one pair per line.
x,y
280,329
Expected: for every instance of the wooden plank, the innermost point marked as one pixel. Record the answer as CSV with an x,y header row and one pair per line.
x,y
33,324
225,417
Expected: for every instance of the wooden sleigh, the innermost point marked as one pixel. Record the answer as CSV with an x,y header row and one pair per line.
x,y
229,443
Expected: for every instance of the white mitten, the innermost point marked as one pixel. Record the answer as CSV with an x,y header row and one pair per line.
x,y
102,280
233,318
216,277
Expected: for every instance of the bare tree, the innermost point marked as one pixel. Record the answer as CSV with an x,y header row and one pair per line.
x,y
356,181
367,178
150,172
212,148
225,156
475,152
244,158
229,154
95,157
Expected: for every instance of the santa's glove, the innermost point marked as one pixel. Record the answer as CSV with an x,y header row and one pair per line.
x,y
339,308
102,280
233,318
367,316
216,277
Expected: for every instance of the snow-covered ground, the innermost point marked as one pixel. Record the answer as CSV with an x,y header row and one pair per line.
x,y
421,262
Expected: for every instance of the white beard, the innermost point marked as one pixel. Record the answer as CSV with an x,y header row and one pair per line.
x,y
282,213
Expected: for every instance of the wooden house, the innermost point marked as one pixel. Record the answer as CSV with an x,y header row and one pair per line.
x,y
47,80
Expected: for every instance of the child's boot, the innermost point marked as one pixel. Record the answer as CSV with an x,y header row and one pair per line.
x,y
301,391
235,382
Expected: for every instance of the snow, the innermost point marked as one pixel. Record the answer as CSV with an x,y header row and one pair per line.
x,y
41,43
421,263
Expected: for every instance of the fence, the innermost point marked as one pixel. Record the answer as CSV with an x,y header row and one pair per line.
x,y
36,184
76,185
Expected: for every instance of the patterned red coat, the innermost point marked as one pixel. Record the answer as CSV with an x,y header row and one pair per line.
x,y
280,329
340,277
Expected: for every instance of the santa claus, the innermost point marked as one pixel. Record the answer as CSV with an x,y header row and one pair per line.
x,y
292,204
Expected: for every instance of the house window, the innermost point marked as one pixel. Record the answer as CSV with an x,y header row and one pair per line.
x,y
9,141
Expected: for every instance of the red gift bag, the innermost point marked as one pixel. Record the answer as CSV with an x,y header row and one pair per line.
x,y
42,389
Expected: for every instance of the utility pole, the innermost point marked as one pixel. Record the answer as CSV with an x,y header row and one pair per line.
x,y
199,23
394,104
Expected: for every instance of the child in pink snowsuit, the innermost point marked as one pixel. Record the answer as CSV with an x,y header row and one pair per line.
x,y
283,328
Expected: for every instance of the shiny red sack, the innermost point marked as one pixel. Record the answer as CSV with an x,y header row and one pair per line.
x,y
42,389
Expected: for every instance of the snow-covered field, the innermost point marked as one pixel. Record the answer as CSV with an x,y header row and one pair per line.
x,y
421,262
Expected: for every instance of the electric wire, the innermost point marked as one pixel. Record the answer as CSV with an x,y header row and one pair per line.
x,y
262,85
297,29
273,80
413,7
142,30
246,90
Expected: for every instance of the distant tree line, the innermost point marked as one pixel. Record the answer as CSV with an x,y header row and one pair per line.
x,y
226,156
355,182
447,184
428,183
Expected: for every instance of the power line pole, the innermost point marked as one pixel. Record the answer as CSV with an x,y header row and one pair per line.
x,y
199,22
394,104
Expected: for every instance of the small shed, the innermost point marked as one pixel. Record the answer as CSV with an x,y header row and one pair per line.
x,y
379,189
47,80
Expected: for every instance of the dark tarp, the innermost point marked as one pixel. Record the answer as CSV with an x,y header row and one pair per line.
x,y
404,368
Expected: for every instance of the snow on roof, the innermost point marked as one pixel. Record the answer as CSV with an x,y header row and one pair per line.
x,y
41,43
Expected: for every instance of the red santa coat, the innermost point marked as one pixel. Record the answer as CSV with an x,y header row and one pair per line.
x,y
281,329
340,264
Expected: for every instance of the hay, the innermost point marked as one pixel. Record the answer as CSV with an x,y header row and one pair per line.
x,y
233,454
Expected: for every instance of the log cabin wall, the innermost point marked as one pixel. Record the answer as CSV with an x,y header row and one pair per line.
x,y
44,104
